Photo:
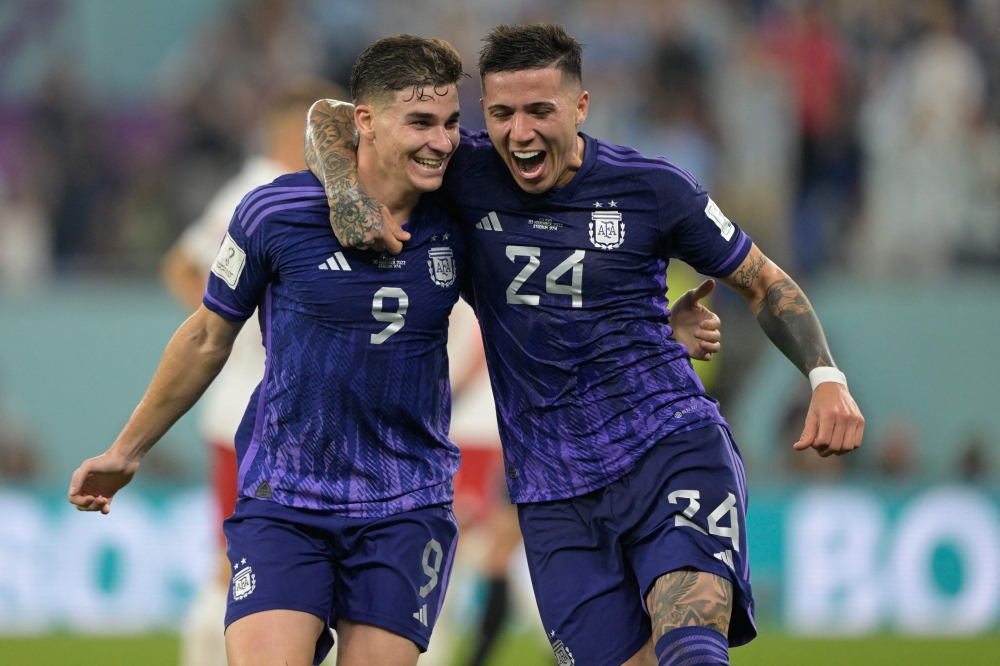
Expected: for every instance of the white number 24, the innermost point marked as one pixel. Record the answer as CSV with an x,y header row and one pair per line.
x,y
572,263
728,506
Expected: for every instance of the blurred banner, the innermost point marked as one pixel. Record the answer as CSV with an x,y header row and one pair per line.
x,y
135,570
827,560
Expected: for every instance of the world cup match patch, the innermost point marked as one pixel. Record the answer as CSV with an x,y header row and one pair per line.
x,y
229,263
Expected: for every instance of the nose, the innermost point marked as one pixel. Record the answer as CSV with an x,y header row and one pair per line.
x,y
521,130
440,141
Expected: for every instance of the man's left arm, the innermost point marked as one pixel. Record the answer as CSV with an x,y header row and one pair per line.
x,y
834,424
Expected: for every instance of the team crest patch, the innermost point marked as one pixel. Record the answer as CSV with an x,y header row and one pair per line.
x,y
441,266
607,230
563,656
244,581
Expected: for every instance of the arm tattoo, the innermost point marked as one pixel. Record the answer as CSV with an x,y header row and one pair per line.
x,y
332,155
747,274
687,598
787,317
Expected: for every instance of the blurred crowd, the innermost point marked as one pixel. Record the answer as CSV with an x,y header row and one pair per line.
x,y
843,135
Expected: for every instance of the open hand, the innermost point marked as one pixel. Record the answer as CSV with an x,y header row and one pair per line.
x,y
96,481
695,326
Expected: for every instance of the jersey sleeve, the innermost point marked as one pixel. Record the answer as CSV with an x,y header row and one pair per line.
x,y
702,236
240,272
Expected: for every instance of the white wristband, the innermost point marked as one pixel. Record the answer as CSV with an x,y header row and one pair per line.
x,y
819,376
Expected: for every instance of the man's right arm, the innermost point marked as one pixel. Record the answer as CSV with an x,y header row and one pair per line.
x,y
193,357
331,151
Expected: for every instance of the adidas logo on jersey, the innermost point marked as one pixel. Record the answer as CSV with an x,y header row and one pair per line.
x,y
727,557
421,615
335,263
490,223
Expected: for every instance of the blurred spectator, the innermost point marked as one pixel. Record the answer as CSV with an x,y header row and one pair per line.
x,y
25,238
755,115
807,43
18,450
920,129
897,449
974,464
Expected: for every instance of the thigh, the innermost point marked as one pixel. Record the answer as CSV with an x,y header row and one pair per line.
x,y
278,565
362,644
273,637
393,572
689,598
693,520
587,593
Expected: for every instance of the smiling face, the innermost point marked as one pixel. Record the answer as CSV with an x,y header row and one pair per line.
x,y
410,138
531,117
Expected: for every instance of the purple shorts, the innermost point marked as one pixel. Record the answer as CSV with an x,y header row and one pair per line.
x,y
389,572
593,558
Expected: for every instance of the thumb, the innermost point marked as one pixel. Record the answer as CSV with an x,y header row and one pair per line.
x,y
808,435
703,290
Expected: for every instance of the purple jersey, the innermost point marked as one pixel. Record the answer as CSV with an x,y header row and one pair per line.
x,y
352,413
570,290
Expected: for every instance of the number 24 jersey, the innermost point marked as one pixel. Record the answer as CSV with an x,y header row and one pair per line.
x,y
570,290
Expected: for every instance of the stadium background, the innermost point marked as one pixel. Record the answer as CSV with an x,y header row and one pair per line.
x,y
857,142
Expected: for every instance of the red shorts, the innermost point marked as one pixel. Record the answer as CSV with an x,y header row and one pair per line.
x,y
224,473
479,482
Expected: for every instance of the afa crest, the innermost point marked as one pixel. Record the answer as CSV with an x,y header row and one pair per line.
x,y
441,266
607,230
244,583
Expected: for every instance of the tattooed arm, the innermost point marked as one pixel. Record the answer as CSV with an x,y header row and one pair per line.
x,y
331,150
834,423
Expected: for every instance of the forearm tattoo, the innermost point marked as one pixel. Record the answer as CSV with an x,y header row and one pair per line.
x,y
787,318
748,274
332,153
686,598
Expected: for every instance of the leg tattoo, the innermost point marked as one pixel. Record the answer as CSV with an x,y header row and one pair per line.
x,y
687,598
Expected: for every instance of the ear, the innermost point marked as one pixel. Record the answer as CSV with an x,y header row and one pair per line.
x,y
582,105
364,120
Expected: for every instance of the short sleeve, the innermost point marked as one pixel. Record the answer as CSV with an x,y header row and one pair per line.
x,y
702,236
240,273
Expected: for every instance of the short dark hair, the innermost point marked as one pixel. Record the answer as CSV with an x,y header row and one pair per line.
x,y
512,48
402,62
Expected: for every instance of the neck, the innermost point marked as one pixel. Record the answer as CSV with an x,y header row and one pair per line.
x,y
390,190
575,162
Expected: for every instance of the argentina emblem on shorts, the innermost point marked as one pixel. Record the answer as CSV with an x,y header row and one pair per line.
x,y
607,230
244,582
441,265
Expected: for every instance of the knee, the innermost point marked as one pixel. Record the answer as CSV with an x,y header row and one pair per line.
x,y
689,598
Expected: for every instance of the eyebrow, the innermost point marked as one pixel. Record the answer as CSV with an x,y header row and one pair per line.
x,y
533,106
424,115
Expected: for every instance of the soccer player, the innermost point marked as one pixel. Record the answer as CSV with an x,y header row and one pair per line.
x,y
185,270
345,470
345,473
630,489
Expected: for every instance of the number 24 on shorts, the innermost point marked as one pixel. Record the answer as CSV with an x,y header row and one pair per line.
x,y
728,506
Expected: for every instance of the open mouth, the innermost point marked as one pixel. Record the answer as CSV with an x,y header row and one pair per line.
x,y
529,163
428,163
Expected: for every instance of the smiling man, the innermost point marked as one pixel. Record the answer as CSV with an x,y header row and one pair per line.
x,y
345,468
630,490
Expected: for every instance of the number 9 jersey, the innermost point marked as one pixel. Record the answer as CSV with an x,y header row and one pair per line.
x,y
353,411
570,290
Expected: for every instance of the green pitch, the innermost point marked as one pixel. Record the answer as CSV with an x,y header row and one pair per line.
x,y
772,650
